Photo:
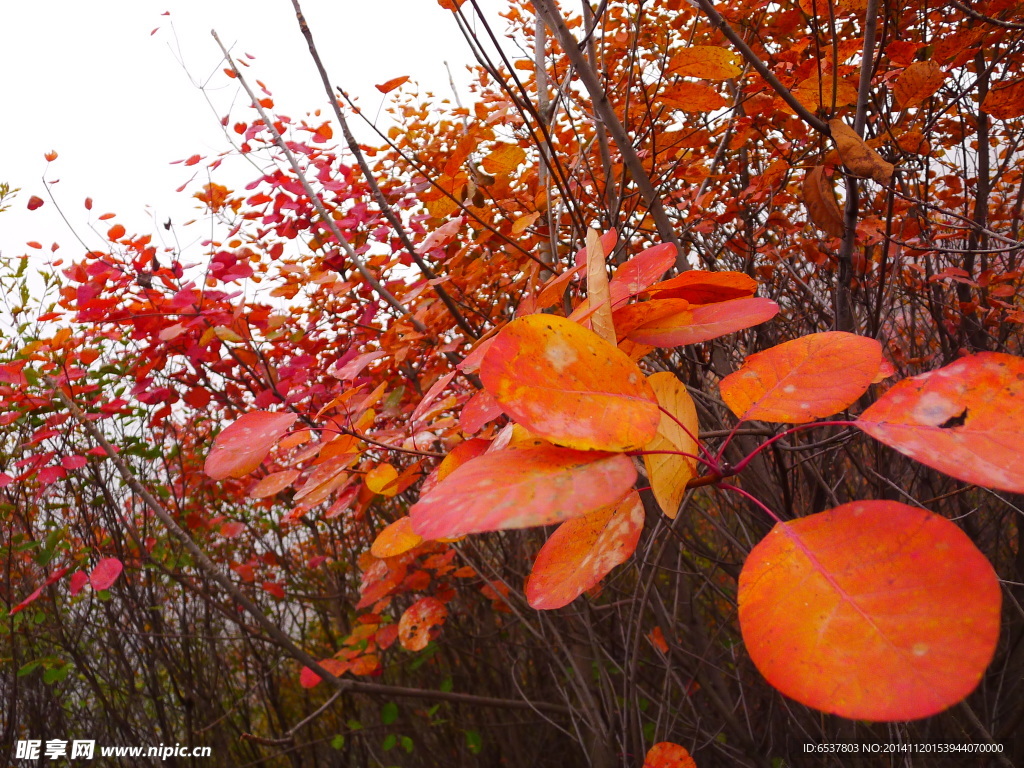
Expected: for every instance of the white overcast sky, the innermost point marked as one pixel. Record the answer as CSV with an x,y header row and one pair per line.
x,y
118,104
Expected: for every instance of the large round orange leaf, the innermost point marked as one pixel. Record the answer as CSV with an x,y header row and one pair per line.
x,y
873,610
418,624
521,487
705,322
966,419
568,385
665,754
804,379
670,472
582,551
241,447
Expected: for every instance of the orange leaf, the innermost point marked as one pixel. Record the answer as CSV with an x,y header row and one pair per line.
x,y
691,97
705,322
857,155
1005,101
669,472
241,447
391,84
396,539
966,419
503,159
521,487
873,610
709,62
116,232
582,551
804,379
821,204
418,623
665,754
816,92
918,82
699,287
568,385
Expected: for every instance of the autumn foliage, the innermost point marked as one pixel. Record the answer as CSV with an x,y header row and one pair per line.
x,y
662,396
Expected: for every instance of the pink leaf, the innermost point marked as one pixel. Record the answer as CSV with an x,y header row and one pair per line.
x,y
105,573
241,447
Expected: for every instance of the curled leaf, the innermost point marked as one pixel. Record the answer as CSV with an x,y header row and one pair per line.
x,y
857,155
820,200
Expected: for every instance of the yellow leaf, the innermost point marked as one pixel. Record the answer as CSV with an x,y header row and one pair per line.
x,y
381,479
709,62
670,472
504,159
398,538
597,289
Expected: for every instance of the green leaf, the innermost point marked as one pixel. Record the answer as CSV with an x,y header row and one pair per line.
x,y
407,744
389,742
338,742
28,669
447,685
389,713
56,674
474,742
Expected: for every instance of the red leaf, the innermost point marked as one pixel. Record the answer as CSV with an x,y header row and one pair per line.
x,y
116,232
308,678
273,588
232,529
391,84
34,202
873,610
241,447
78,580
193,160
27,601
517,488
105,573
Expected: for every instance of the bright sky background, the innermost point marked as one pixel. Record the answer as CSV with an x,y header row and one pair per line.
x,y
118,103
